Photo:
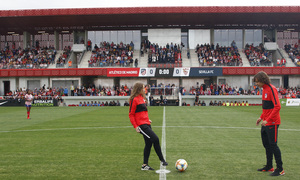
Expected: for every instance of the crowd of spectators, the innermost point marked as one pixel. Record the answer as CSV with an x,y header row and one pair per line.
x,y
170,53
33,58
111,54
220,89
62,60
225,89
290,92
98,103
92,90
293,52
219,103
258,56
211,55
42,93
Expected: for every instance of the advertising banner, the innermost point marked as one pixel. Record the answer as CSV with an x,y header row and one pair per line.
x,y
293,102
123,72
12,102
147,72
48,102
196,72
164,72
21,102
181,72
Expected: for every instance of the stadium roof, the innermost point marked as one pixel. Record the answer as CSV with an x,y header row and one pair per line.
x,y
200,17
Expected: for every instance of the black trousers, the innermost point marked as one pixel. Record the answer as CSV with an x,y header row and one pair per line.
x,y
269,135
150,139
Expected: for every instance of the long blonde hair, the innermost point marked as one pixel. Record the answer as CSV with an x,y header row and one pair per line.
x,y
138,89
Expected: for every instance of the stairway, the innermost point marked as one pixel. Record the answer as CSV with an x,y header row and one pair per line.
x,y
289,61
194,62
58,54
85,60
245,60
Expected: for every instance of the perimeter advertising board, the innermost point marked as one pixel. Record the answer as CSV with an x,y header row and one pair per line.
x,y
196,72
36,102
123,72
293,102
147,72
164,72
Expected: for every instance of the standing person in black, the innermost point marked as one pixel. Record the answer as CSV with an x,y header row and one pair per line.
x,y
138,115
270,121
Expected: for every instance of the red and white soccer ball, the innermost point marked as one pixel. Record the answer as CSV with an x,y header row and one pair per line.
x,y
181,165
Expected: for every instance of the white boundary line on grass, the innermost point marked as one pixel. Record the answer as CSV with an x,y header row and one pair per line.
x,y
115,127
163,171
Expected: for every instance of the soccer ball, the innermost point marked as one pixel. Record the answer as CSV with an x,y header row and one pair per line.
x,y
181,165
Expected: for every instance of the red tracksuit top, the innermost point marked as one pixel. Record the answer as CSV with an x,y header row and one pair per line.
x,y
138,113
270,105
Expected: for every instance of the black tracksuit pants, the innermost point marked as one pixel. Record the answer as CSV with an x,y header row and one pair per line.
x,y
150,138
269,135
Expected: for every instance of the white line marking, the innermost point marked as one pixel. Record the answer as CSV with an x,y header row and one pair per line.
x,y
163,171
60,129
115,127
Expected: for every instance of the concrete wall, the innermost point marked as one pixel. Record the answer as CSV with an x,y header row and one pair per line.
x,y
235,81
131,81
77,99
23,81
13,85
167,81
294,81
187,83
190,99
106,82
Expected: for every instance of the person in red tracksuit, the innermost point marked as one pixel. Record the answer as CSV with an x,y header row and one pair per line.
x,y
138,115
270,118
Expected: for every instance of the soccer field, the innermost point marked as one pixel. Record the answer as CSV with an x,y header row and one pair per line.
x,y
100,143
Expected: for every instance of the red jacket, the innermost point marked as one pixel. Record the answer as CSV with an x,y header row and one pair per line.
x,y
271,105
138,113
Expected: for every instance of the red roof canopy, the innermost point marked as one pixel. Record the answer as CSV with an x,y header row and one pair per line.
x,y
235,17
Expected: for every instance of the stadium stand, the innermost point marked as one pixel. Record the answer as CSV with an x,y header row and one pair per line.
x,y
111,55
35,58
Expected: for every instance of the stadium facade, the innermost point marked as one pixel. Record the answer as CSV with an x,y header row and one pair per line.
x,y
271,26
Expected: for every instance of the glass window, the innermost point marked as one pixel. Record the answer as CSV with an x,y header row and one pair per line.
x,y
217,37
121,37
106,36
249,36
224,41
239,38
99,37
257,37
136,38
114,37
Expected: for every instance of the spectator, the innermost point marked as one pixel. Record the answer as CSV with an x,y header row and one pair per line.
x,y
66,91
136,62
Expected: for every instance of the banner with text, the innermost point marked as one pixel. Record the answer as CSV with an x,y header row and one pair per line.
x,y
181,72
36,102
293,102
147,72
123,72
196,72
45,103
164,72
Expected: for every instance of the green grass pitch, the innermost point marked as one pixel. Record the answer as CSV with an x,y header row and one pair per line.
x,y
100,143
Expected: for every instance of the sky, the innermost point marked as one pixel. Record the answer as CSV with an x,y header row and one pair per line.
x,y
59,4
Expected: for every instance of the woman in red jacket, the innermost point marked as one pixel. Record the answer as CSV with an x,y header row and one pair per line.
x,y
138,115
270,118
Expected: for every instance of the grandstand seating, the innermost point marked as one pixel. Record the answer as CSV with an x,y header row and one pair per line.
x,y
27,58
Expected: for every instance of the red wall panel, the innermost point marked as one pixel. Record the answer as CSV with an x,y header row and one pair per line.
x,y
52,72
254,70
151,10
